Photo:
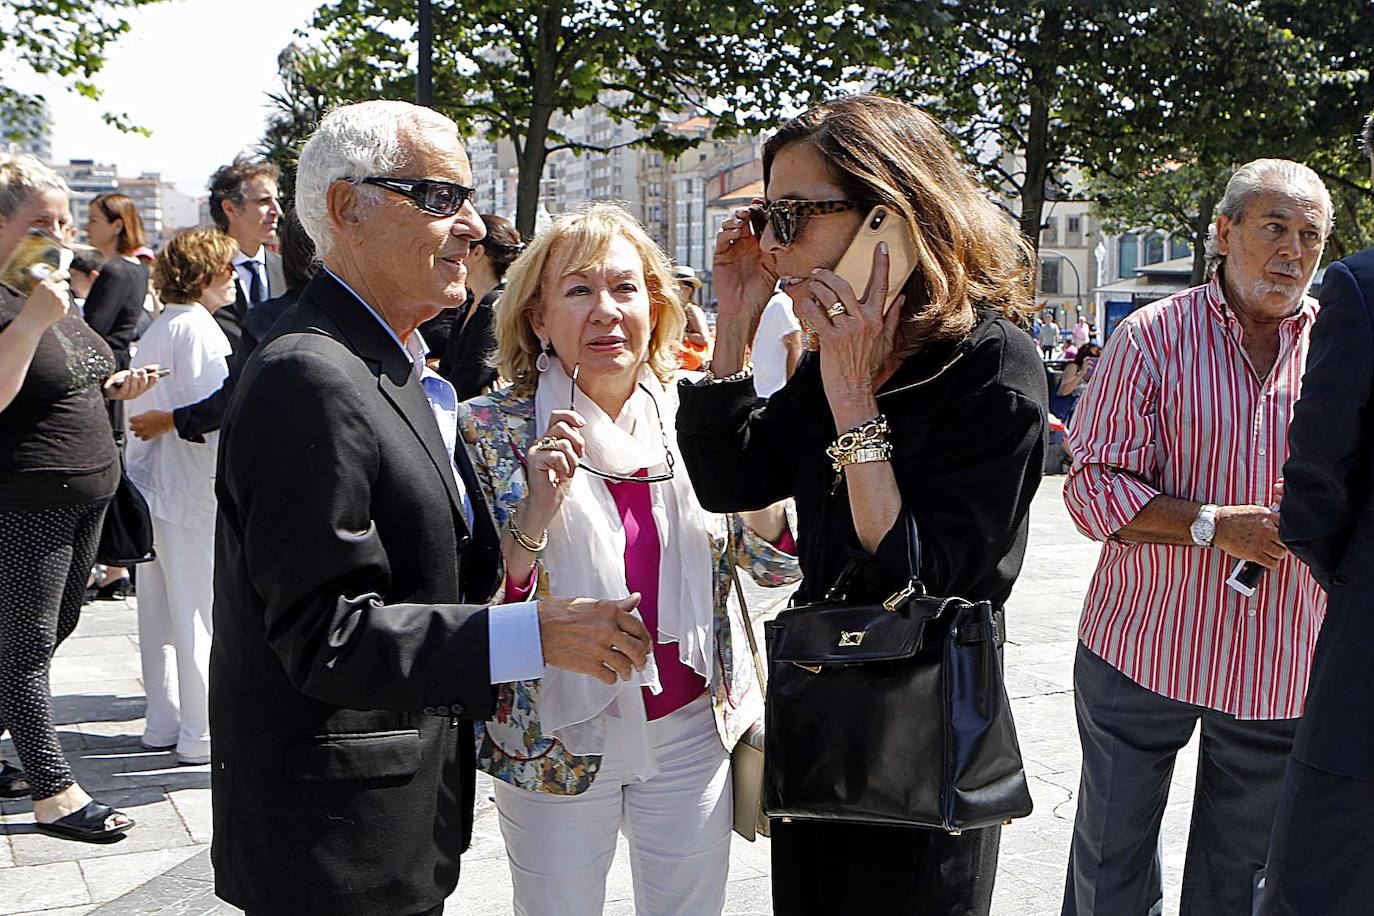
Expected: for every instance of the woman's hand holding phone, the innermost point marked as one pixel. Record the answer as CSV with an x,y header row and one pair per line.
x,y
743,286
127,384
49,302
855,342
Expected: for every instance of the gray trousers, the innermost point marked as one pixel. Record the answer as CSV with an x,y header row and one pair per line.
x,y
1130,737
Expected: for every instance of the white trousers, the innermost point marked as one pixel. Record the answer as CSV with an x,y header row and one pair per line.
x,y
677,823
175,594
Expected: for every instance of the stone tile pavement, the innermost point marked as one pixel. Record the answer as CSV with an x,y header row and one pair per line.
x,y
162,866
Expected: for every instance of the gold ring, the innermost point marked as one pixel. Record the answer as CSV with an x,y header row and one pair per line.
x,y
835,310
546,443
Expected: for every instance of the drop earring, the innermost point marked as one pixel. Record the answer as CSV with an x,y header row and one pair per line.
x,y
541,362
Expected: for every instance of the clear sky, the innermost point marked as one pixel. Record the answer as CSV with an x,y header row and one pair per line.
x,y
195,73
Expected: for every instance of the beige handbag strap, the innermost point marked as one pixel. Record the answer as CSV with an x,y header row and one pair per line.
x,y
759,669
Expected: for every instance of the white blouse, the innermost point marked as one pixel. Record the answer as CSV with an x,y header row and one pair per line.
x,y
175,476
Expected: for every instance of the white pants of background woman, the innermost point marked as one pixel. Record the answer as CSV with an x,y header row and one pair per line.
x,y
175,594
677,823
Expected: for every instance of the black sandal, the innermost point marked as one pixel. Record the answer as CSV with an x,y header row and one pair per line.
x,y
10,776
90,824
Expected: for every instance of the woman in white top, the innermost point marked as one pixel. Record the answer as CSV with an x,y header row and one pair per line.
x,y
195,276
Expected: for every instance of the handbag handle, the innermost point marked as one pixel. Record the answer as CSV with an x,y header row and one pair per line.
x,y
839,592
743,606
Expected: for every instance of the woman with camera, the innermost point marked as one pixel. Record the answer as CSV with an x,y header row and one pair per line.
x,y
59,468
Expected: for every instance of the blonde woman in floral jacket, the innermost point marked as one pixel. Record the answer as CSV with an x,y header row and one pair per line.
x,y
578,460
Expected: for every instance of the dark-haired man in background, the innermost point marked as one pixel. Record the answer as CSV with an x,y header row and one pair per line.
x,y
244,206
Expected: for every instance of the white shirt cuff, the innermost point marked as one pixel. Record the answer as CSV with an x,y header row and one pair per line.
x,y
514,647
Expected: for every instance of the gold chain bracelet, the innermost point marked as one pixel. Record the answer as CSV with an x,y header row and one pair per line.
x,y
710,377
864,455
865,436
524,540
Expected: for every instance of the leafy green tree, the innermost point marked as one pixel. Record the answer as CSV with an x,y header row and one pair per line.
x,y
507,67
311,80
1008,80
1242,82
1157,100
66,38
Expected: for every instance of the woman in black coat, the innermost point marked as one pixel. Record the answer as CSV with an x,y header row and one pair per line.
x,y
962,392
115,303
113,309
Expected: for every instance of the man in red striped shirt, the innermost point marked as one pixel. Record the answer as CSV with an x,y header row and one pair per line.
x,y
1178,449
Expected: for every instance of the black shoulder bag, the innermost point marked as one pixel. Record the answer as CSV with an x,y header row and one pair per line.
x,y
126,538
891,713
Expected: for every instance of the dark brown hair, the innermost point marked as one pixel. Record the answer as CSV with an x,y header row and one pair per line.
x,y
227,184
967,253
298,261
190,262
502,244
119,207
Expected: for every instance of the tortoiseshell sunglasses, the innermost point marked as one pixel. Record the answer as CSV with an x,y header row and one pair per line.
x,y
787,216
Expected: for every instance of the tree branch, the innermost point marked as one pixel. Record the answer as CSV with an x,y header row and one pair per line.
x,y
593,148
1345,182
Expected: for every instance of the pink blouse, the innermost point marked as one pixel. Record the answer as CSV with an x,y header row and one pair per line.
x,y
681,685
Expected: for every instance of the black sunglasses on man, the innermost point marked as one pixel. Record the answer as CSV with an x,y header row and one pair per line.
x,y
432,195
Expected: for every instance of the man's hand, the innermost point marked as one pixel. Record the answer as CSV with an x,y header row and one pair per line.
x,y
152,423
1250,533
592,636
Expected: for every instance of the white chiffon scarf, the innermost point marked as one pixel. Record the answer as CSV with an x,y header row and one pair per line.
x,y
585,557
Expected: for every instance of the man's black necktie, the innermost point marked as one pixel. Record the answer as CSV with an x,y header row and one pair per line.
x,y
257,292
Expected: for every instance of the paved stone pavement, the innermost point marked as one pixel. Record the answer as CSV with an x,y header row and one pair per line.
x,y
162,866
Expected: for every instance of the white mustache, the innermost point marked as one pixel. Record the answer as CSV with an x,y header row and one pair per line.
x,y
1287,268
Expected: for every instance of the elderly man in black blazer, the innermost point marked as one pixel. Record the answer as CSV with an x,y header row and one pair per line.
x,y
1324,830
354,556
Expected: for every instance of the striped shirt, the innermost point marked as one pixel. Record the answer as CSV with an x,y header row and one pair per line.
x,y
1176,409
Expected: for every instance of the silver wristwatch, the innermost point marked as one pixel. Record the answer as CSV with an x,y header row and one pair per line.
x,y
1204,527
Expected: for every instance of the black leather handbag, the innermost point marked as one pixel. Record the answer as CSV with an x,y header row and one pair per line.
x,y
891,713
127,536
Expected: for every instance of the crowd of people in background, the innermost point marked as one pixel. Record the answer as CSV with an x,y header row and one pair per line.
x,y
426,496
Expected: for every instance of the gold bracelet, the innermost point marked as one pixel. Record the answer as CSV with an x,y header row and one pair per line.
x,y
710,377
865,455
524,540
872,434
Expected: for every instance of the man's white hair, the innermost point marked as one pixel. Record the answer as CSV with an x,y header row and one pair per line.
x,y
20,177
352,142
1281,175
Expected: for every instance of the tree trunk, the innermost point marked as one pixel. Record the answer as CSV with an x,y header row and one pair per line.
x,y
530,175
1206,204
535,151
1037,169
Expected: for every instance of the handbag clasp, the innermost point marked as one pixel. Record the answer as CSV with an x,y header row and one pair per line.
x,y
900,598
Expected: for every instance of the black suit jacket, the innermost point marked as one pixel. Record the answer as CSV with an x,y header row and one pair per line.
x,y
243,328
471,342
1328,517
345,665
115,305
